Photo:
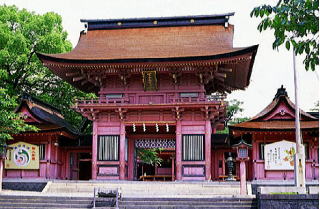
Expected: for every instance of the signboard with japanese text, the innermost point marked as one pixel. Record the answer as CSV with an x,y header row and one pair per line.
x,y
279,155
22,155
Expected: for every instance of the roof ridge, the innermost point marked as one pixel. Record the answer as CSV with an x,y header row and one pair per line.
x,y
26,96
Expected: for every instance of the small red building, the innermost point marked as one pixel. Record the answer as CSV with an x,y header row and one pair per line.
x,y
54,131
154,78
275,126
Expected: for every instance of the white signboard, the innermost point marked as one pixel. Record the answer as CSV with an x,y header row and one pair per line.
x,y
279,155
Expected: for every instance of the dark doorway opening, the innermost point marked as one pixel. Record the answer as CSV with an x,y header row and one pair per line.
x,y
85,166
161,172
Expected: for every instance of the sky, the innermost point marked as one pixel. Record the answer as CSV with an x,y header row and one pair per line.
x,y
271,68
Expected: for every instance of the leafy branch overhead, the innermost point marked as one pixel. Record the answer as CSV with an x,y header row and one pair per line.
x,y
10,122
295,24
22,34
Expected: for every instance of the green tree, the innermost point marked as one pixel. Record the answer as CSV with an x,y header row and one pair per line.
x,y
22,34
10,122
149,156
295,23
233,108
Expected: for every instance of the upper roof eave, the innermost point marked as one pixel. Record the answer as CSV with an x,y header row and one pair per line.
x,y
232,53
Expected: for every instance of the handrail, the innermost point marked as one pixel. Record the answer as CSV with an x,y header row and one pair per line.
x,y
117,196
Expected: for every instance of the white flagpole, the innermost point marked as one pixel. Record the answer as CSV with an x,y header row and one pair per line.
x,y
299,165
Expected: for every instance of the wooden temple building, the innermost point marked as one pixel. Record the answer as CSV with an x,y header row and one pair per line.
x,y
153,77
157,81
275,125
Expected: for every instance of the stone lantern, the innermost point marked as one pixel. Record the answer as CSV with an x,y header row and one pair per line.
x,y
242,155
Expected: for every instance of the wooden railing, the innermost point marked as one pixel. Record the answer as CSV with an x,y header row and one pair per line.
x,y
125,100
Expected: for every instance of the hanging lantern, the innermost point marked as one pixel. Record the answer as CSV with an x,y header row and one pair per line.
x,y
134,127
144,127
157,127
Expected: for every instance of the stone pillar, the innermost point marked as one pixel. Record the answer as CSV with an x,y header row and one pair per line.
x,y
122,161
208,150
94,150
178,151
243,181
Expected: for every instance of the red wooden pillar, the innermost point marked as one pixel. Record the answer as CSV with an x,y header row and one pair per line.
x,y
94,150
208,150
172,168
178,151
48,158
255,156
122,160
1,172
130,158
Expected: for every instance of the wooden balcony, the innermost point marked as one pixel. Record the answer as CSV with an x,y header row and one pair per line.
x,y
125,102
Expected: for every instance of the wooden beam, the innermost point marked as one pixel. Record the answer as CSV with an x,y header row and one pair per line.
x,y
72,74
225,70
220,79
84,82
78,78
221,75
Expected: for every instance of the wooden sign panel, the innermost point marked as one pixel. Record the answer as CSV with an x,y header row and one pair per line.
x,y
22,155
279,155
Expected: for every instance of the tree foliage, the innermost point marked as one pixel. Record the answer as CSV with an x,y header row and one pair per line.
x,y
149,156
295,23
10,122
22,34
234,107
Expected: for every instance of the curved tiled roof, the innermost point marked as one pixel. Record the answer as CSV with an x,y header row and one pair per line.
x,y
259,122
125,45
47,114
276,125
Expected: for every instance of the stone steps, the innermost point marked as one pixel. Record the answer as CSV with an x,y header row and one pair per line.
x,y
36,202
187,203
147,189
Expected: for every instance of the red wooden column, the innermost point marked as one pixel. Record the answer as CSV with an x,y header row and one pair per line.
x,y
1,172
48,158
130,158
94,150
178,151
122,160
208,150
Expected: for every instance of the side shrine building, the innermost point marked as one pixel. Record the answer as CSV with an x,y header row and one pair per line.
x,y
272,135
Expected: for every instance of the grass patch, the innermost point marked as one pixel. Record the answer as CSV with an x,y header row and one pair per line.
x,y
290,193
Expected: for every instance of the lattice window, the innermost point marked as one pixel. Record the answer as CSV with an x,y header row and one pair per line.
x,y
150,80
42,151
108,148
155,143
261,151
193,147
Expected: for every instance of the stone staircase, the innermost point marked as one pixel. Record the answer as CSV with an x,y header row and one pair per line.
x,y
188,203
37,202
149,189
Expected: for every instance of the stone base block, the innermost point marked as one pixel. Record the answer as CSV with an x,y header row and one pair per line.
x,y
282,189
